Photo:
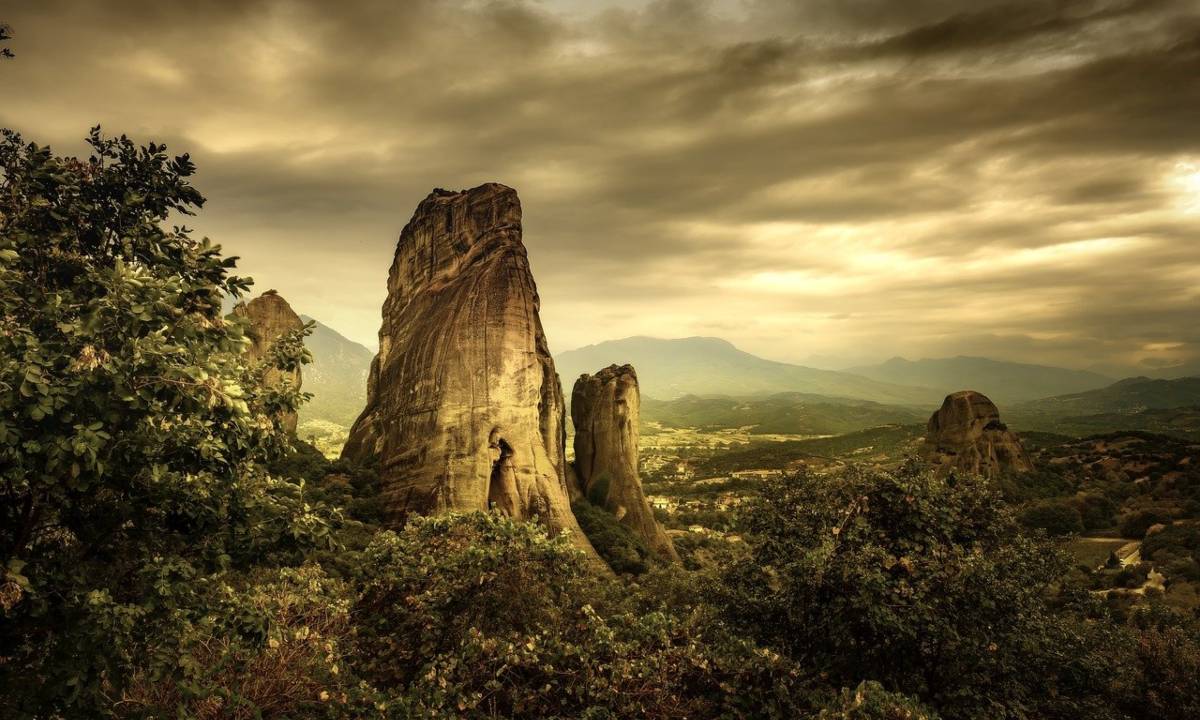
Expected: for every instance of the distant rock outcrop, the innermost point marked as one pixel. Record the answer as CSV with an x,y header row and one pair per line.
x,y
605,409
270,316
464,408
966,434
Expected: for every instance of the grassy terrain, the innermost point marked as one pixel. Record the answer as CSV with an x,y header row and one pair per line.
x,y
1093,551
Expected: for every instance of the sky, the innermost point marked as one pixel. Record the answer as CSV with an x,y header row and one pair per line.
x,y
823,181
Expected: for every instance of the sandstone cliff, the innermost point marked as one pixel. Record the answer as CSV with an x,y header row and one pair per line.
x,y
464,408
605,408
966,434
270,316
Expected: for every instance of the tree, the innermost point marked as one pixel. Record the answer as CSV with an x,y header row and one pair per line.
x,y
478,615
1056,517
924,585
132,429
5,34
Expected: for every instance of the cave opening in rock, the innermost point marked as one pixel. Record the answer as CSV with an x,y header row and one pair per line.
x,y
502,491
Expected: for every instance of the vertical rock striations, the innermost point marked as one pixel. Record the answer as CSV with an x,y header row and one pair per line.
x,y
605,408
464,408
966,434
270,316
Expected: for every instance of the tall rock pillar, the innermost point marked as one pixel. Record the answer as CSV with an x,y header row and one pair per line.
x,y
605,409
464,408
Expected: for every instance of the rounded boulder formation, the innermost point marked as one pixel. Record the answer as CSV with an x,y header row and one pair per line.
x,y
966,435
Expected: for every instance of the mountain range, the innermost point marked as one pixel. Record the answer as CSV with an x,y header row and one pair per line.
x,y
671,368
1003,382
1127,396
1170,407
706,381
337,376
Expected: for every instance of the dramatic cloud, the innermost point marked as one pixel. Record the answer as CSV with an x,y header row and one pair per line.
x,y
851,179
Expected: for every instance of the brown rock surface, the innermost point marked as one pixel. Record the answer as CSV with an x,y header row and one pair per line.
x,y
966,434
605,408
464,408
270,316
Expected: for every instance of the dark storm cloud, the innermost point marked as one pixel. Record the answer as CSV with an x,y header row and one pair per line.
x,y
803,176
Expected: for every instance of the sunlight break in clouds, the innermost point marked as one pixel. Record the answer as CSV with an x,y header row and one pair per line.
x,y
942,177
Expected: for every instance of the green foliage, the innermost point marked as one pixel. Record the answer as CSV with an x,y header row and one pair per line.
x,y
617,545
1135,524
1056,517
927,586
1175,550
869,701
1096,511
427,587
480,616
132,431
1163,681
274,647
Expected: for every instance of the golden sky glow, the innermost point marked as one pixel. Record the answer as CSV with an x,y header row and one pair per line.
x,y
845,179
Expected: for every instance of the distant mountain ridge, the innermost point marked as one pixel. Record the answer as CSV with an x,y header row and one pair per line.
x,y
337,376
1124,396
1004,382
671,368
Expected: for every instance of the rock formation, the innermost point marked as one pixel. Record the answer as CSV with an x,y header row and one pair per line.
x,y
464,408
966,435
605,408
270,316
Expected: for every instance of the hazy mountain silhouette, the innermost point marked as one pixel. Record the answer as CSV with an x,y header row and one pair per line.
x,y
672,368
337,376
1003,382
1125,396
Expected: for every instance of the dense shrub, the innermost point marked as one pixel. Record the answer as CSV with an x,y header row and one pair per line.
x,y
1056,517
1176,549
480,616
274,647
925,585
1098,512
870,701
132,428
1135,524
617,545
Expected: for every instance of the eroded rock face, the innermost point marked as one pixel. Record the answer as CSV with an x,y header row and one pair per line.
x,y
270,316
464,408
605,408
966,434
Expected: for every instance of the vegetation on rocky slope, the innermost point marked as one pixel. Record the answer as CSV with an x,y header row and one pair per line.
x,y
168,551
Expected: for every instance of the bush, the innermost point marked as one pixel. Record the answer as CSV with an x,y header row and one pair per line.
x,y
927,586
1056,517
1097,511
870,701
1135,524
481,616
616,544
133,430
273,648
